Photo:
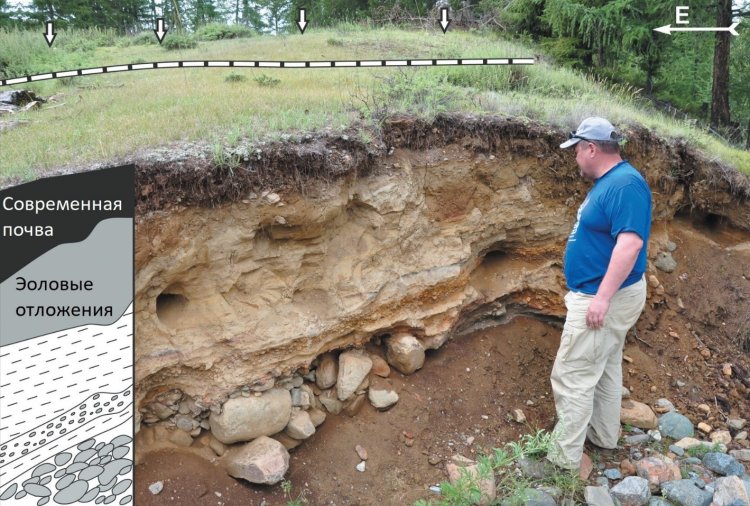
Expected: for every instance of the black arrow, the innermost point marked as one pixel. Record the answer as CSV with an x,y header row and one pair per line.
x,y
444,21
50,34
160,30
301,22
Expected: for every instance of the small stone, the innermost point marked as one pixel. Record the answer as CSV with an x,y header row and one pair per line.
x,y
300,425
289,442
156,487
706,353
704,427
726,370
637,439
361,452
625,393
677,450
675,425
689,442
736,423
704,408
180,438
627,468
721,436
664,406
637,414
653,281
434,459
361,467
317,416
679,383
665,262
405,353
743,455
330,401
723,464
354,405
382,399
613,474
519,416
741,436
380,367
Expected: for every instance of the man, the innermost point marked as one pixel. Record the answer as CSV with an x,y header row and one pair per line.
x,y
605,262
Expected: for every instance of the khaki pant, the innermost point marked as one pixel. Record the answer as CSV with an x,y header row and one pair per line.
x,y
587,375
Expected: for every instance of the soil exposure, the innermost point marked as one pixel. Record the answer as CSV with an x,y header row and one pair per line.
x,y
452,231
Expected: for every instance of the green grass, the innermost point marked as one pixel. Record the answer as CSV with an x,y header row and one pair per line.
x,y
701,450
512,487
113,116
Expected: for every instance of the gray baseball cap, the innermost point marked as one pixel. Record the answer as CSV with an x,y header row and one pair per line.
x,y
592,129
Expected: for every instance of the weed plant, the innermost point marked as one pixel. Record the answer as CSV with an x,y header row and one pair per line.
x,y
512,487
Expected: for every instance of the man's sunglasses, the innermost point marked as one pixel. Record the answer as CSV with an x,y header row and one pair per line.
x,y
572,135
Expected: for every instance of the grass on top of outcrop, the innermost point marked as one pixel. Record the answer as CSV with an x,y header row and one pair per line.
x,y
109,117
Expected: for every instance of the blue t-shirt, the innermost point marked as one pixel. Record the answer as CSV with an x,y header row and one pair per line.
x,y
620,201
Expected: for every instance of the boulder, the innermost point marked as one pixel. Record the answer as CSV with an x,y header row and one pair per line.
x,y
300,425
675,425
264,460
637,414
327,371
729,491
723,464
598,496
354,366
685,493
246,418
657,469
632,491
405,353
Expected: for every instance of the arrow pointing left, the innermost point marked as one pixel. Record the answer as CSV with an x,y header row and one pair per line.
x,y
160,30
50,34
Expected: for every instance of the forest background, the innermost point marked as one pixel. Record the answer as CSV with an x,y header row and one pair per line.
x,y
702,77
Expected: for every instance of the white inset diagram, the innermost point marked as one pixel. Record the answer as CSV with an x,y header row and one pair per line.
x,y
66,416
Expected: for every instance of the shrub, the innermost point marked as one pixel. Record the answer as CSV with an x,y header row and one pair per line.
x,y
335,42
179,41
266,80
218,31
234,77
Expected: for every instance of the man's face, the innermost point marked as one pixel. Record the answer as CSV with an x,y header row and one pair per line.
x,y
584,154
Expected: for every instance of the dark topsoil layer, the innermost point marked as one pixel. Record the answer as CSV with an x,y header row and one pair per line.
x,y
190,175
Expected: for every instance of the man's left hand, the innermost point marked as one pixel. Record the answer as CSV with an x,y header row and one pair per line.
x,y
596,313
